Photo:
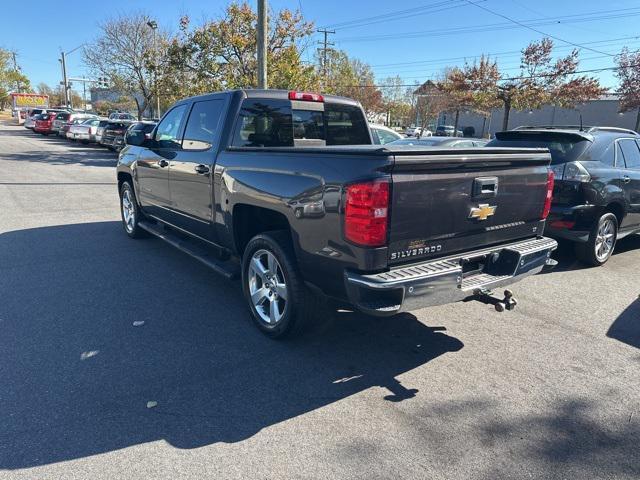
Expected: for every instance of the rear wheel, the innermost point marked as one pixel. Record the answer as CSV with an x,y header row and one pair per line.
x,y
280,303
602,240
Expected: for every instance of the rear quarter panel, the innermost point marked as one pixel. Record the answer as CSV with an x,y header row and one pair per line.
x,y
307,189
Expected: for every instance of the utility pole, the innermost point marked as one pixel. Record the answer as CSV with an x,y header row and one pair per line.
x,y
16,69
84,94
262,43
65,85
325,48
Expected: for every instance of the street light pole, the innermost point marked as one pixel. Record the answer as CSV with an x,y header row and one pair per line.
x,y
63,60
153,25
262,43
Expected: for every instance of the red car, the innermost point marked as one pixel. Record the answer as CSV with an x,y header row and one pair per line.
x,y
44,122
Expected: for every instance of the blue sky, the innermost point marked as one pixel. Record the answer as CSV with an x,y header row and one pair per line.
x,y
414,39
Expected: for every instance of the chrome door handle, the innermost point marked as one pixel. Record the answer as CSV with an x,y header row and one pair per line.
x,y
202,169
162,163
626,179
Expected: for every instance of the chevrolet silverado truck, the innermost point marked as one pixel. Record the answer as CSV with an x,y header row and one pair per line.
x,y
286,191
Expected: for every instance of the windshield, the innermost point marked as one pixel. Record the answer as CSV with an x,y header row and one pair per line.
x,y
563,147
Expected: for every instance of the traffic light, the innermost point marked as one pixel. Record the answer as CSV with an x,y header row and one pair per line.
x,y
103,82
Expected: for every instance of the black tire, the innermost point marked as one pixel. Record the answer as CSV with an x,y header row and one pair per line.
x,y
301,304
586,252
131,225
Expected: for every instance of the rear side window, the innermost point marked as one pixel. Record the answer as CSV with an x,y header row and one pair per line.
x,y
346,125
62,116
202,125
630,153
264,123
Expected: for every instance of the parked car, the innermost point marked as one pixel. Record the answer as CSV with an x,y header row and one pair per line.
x,y
227,171
145,126
122,116
383,135
100,129
448,142
596,198
44,122
85,131
65,120
447,131
66,127
113,134
417,132
30,120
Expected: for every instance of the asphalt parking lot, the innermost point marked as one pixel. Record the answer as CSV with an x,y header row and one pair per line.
x,y
551,390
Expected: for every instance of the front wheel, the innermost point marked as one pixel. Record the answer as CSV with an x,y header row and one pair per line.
x,y
130,212
279,301
602,240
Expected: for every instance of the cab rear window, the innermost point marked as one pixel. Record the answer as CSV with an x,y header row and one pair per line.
x,y
273,123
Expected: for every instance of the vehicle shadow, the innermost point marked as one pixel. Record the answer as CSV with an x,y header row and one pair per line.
x,y
77,375
566,256
88,157
626,328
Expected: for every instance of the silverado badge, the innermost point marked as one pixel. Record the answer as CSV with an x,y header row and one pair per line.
x,y
482,211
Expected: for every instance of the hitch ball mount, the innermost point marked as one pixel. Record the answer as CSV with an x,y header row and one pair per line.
x,y
500,304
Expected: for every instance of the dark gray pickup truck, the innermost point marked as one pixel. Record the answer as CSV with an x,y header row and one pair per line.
x,y
285,190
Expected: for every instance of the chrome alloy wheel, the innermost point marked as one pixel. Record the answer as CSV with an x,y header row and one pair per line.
x,y
605,239
128,211
267,287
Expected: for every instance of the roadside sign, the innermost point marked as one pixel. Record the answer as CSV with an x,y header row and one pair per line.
x,y
29,100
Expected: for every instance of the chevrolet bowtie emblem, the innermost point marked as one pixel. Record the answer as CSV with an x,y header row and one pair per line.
x,y
482,211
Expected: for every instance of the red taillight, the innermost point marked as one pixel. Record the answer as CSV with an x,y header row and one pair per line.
x,y
366,213
549,197
306,97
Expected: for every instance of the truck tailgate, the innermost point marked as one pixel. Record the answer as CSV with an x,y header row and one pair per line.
x,y
446,201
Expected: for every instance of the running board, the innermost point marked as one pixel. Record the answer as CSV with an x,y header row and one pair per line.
x,y
228,269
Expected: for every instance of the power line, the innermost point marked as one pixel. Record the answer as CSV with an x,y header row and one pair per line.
x,y
494,54
565,19
540,32
400,14
509,79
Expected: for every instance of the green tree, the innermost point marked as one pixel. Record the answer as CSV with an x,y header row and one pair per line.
x,y
351,77
11,78
221,54
396,100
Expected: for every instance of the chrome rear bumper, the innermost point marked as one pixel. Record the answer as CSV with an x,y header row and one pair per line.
x,y
449,279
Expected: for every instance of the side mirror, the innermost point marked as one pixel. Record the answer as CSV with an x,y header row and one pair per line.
x,y
135,137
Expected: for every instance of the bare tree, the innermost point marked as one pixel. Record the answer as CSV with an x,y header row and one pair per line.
x,y
125,52
628,73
